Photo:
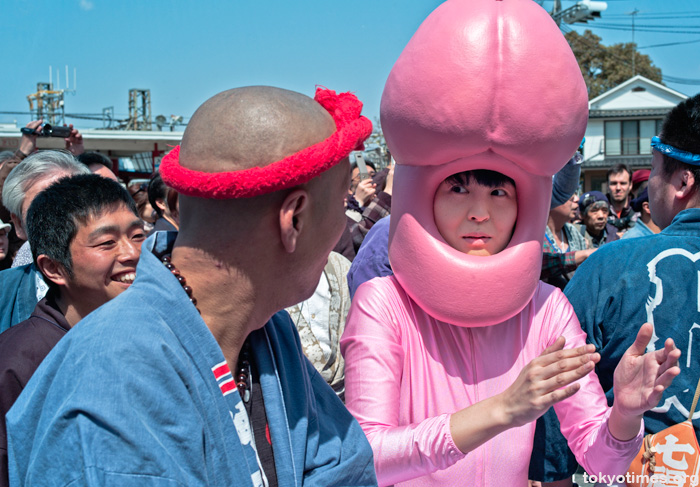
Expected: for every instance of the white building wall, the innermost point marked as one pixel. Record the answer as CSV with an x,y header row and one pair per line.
x,y
593,148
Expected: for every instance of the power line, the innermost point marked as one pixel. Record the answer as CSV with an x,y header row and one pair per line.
x,y
642,29
656,13
681,81
655,16
669,44
648,26
600,47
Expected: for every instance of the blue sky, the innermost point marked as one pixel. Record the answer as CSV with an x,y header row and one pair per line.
x,y
186,51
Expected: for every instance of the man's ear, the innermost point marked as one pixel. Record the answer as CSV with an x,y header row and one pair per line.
x,y
645,208
685,184
19,229
52,270
292,218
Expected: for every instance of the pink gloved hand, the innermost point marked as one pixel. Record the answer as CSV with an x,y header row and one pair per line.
x,y
547,380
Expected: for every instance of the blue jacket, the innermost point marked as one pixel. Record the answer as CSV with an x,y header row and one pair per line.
x,y
647,279
619,287
638,230
129,397
19,294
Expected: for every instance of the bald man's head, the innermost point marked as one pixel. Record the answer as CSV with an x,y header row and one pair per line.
x,y
252,126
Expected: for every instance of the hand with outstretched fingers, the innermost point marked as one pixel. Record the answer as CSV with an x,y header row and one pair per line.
x,y
546,380
641,378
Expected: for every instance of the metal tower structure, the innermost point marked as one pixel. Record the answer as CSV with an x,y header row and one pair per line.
x,y
139,110
49,104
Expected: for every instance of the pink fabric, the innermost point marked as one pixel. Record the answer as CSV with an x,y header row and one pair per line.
x,y
431,271
406,372
482,84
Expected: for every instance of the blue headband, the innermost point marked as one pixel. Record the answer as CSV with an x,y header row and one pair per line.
x,y
679,155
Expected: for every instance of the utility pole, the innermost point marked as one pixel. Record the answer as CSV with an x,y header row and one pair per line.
x,y
633,13
556,11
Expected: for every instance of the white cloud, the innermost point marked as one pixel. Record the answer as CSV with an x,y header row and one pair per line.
x,y
86,5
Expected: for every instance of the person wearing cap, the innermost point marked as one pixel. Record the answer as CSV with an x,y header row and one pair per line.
x,y
640,179
564,248
5,258
595,226
192,376
645,224
450,361
654,278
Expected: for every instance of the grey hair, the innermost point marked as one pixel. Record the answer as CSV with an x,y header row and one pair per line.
x,y
5,155
32,170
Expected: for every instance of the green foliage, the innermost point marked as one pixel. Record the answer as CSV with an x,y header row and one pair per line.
x,y
604,67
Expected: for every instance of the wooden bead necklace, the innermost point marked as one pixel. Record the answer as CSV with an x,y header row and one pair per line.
x,y
243,374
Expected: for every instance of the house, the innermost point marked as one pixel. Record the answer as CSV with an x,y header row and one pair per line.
x,y
621,123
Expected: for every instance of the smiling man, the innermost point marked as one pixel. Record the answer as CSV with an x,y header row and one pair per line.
x,y
86,238
23,285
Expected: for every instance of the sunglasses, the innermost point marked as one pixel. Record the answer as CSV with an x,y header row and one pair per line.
x,y
142,187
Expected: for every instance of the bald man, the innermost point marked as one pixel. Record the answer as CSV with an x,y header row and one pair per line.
x,y
192,376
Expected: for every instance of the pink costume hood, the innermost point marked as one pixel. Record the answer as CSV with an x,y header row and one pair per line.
x,y
483,84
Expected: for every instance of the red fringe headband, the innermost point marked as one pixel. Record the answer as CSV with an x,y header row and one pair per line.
x,y
351,131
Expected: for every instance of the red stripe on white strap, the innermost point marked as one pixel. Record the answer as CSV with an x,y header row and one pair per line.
x,y
220,370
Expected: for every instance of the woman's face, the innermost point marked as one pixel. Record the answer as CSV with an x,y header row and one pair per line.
x,y
476,219
4,243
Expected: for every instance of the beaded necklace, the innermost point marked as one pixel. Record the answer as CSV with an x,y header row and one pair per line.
x,y
243,373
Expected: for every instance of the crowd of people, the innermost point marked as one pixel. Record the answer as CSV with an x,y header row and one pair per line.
x,y
269,309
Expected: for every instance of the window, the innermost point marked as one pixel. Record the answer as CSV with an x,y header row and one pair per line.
x,y
630,137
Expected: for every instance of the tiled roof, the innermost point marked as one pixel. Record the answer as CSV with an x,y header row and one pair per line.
x,y
634,162
629,113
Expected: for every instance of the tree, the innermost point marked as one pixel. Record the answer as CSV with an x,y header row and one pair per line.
x,y
604,67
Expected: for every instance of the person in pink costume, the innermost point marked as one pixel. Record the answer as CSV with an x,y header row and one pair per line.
x,y
450,360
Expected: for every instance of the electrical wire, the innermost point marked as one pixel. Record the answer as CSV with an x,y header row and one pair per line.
x,y
599,47
669,44
638,29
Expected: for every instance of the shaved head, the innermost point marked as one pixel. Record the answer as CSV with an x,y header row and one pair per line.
x,y
252,126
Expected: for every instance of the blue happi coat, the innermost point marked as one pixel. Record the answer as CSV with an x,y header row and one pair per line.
x,y
130,397
622,285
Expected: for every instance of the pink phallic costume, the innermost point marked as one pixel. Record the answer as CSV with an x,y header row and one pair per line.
x,y
483,84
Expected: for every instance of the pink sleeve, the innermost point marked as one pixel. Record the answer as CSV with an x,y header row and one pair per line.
x,y
374,363
584,416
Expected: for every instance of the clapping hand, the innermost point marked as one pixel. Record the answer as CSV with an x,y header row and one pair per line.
x,y
547,380
640,378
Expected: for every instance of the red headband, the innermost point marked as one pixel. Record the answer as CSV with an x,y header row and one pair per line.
x,y
351,131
